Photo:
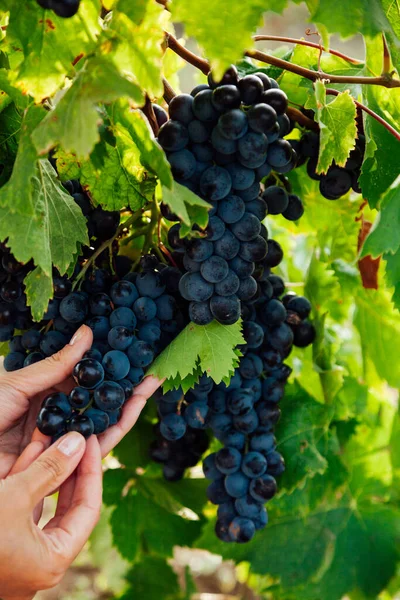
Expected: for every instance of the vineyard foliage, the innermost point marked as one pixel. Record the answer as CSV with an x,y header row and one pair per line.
x,y
74,88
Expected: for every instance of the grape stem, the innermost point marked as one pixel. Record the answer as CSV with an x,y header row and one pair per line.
x,y
105,245
148,110
300,42
385,80
168,91
371,113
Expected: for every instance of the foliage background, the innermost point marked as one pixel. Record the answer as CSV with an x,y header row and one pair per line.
x,y
334,529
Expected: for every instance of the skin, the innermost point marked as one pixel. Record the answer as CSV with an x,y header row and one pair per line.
x,y
32,558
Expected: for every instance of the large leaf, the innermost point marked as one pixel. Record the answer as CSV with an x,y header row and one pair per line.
x,y
137,47
211,347
385,234
379,329
50,44
51,236
337,127
304,423
139,522
74,121
236,21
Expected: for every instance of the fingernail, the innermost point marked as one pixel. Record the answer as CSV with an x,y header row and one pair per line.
x,y
71,443
78,335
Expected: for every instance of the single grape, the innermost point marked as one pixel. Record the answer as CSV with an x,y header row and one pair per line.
x,y
203,107
225,309
229,285
233,124
59,400
226,97
214,269
99,418
52,342
181,108
109,396
196,415
124,293
215,183
304,334
247,423
241,530
124,317
79,398
194,287
216,492
240,401
254,464
241,177
173,136
140,354
263,488
231,209
100,327
173,427
88,373
200,313
82,424
73,308
227,247
51,421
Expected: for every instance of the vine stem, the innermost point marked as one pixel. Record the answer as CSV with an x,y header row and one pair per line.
x,y
300,42
371,113
148,110
105,245
168,91
384,80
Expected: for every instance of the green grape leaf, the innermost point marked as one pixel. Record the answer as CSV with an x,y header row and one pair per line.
x,y
186,205
137,49
50,45
360,16
115,481
210,347
39,290
4,349
385,233
51,236
152,155
146,586
306,550
139,520
118,182
337,122
74,121
303,424
381,166
16,195
379,328
133,450
393,275
236,20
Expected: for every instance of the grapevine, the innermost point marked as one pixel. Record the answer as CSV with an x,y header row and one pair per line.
x,y
236,242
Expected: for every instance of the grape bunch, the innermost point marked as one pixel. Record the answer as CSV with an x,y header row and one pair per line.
x,y
14,311
241,415
62,8
337,181
221,141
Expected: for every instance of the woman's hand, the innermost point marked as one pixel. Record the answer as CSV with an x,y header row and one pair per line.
x,y
31,558
22,392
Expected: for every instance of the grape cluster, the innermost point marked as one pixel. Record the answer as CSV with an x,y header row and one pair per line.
x,y
132,319
242,415
14,312
337,181
62,8
221,141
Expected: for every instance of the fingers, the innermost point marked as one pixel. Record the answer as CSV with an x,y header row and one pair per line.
x,y
130,414
52,468
80,517
53,370
29,455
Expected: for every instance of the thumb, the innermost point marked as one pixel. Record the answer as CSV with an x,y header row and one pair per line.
x,y
53,370
52,468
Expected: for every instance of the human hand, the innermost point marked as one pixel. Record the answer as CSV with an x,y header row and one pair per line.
x,y
31,558
22,392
